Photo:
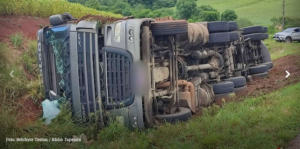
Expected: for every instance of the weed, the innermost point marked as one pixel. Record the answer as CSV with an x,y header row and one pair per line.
x,y
5,55
17,39
41,26
29,59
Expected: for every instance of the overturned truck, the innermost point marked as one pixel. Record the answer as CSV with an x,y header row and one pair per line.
x,y
143,71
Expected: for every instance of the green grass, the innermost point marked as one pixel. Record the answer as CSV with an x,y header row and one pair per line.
x,y
29,59
280,49
269,121
16,39
46,8
259,12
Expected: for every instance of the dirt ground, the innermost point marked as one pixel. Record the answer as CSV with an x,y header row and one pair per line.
x,y
276,79
10,24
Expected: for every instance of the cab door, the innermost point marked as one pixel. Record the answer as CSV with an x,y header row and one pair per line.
x,y
296,34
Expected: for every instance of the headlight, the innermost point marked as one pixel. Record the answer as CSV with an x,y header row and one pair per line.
x,y
117,36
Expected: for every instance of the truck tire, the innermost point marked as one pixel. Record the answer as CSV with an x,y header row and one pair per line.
x,y
219,38
257,36
165,28
232,26
258,69
237,81
223,87
218,26
234,36
240,90
269,64
184,114
265,29
253,29
265,52
260,75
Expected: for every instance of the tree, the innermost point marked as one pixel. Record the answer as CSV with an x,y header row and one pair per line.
x,y
126,12
210,16
228,15
92,4
243,22
185,8
205,13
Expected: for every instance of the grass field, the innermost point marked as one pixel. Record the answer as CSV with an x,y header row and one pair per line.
x,y
278,49
259,12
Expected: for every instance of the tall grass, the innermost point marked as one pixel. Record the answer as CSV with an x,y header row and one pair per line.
x,y
16,39
5,56
29,59
46,8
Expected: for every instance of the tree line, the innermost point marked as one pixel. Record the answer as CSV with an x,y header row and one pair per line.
x,y
184,9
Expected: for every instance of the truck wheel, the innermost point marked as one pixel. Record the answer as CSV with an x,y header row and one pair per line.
x,y
232,26
219,38
218,26
253,29
256,36
258,69
169,28
265,52
234,36
184,114
239,90
223,87
260,75
265,29
288,40
269,64
237,81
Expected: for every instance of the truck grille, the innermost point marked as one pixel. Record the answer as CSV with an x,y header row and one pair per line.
x,y
117,77
87,74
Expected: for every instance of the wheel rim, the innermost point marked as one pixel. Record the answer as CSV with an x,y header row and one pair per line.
x,y
288,40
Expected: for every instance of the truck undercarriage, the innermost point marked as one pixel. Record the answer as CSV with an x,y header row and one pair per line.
x,y
143,71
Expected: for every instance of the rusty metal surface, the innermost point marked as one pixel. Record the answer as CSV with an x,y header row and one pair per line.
x,y
188,87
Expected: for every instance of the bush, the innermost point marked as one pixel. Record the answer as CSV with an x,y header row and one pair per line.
x,y
205,13
228,15
185,8
16,39
243,22
288,22
210,16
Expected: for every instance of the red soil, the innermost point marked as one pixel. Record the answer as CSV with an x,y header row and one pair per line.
x,y
29,26
276,79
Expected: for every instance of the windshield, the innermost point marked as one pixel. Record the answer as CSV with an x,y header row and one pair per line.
x,y
288,30
56,42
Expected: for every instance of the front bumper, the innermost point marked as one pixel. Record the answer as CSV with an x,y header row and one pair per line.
x,y
279,38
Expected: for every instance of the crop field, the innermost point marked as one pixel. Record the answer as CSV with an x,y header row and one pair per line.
x,y
46,8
